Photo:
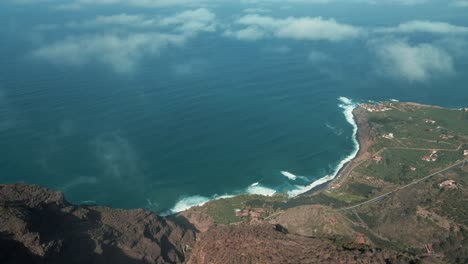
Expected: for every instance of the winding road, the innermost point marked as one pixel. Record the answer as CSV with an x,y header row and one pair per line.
x,y
378,198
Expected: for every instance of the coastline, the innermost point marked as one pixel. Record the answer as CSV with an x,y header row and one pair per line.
x,y
354,114
364,139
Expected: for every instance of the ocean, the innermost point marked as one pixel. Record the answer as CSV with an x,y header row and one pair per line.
x,y
208,118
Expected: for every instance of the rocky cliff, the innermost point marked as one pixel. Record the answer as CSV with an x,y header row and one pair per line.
x,y
39,226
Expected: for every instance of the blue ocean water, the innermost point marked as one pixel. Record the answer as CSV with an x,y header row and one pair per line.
x,y
215,117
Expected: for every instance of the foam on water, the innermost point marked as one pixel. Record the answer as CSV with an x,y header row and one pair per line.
x,y
262,190
256,188
188,202
289,175
348,106
198,200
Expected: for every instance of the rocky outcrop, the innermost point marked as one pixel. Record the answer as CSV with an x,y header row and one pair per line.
x,y
39,226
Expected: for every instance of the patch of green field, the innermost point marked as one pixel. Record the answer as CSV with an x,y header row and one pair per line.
x,y
452,203
408,125
345,197
319,198
451,119
397,163
362,189
434,143
223,210
381,143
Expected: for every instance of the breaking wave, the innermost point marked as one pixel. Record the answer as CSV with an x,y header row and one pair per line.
x,y
256,188
289,175
198,200
348,106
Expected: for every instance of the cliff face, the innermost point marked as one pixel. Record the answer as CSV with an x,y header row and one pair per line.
x,y
39,226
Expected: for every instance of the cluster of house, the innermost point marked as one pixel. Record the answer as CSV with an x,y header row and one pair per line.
x,y
432,157
444,136
361,239
388,136
376,107
429,121
449,184
378,158
337,186
254,213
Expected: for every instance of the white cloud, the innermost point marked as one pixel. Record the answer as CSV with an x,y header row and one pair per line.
x,y
317,29
78,4
456,46
192,21
288,1
121,53
413,63
304,28
116,20
248,33
256,10
425,27
398,2
460,3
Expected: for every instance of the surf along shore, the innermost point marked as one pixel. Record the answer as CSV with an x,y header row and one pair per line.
x,y
365,138
352,112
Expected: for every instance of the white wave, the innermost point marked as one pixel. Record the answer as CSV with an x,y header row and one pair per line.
x,y
289,175
261,190
198,200
394,100
303,178
345,100
348,106
188,202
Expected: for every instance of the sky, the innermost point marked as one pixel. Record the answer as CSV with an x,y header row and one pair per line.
x,y
406,40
